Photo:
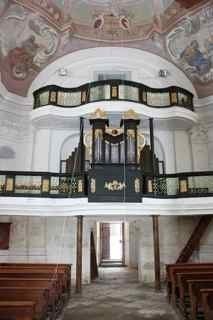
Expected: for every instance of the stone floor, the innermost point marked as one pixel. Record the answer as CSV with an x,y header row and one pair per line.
x,y
117,295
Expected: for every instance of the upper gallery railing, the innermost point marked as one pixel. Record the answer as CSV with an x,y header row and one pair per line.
x,y
42,184
113,90
176,185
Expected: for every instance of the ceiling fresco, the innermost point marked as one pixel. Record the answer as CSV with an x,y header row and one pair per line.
x,y
34,33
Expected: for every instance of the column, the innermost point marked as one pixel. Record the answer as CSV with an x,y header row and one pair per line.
x,y
156,252
79,254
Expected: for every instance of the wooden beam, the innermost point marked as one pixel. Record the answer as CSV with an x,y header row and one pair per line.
x,y
152,145
79,240
156,252
194,239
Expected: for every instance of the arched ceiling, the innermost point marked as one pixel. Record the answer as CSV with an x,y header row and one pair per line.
x,y
33,33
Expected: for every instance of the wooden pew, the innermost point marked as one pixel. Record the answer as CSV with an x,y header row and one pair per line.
x,y
38,295
183,278
17,310
37,274
183,288
60,272
55,279
207,303
172,271
46,284
195,287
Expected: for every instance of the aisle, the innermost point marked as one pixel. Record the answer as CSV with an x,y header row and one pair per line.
x,y
118,296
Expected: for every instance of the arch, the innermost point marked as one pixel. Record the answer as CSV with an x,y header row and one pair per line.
x,y
70,140
82,64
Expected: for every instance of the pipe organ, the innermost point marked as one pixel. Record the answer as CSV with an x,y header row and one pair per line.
x,y
113,158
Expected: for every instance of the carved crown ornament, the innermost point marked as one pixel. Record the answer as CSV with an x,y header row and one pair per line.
x,y
99,114
130,114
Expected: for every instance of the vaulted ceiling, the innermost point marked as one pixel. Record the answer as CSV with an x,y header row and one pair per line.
x,y
33,33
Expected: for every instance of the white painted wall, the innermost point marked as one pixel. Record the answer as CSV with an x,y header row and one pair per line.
x,y
182,150
42,239
53,239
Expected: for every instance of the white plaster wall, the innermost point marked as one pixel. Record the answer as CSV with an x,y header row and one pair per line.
x,y
51,146
145,251
53,239
16,134
166,139
205,252
83,64
133,244
174,233
210,146
42,239
183,156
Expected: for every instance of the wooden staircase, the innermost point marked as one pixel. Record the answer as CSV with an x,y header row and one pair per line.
x,y
194,239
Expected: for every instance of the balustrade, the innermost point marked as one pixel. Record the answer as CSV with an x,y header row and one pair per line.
x,y
113,90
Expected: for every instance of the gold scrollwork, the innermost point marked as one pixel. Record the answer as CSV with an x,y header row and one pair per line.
x,y
83,96
80,185
9,184
114,92
114,131
183,186
98,114
141,143
150,185
137,185
131,133
115,185
173,97
130,114
45,185
93,185
98,133
52,96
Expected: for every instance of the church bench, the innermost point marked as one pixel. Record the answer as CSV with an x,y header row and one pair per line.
x,y
195,287
38,295
55,292
61,266
46,284
173,269
207,303
182,280
182,290
59,272
17,310
35,273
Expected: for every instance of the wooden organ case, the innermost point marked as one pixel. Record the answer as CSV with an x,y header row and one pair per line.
x,y
115,174
112,160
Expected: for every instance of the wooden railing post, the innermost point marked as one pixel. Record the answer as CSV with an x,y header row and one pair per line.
x,y
156,252
79,240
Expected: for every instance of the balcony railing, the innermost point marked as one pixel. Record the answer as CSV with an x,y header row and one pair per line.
x,y
185,184
42,184
106,90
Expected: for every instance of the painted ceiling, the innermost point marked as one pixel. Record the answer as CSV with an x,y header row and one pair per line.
x,y
34,33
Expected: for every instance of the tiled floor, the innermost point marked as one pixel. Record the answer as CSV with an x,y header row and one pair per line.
x,y
117,295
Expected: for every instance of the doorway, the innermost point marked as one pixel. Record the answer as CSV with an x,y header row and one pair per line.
x,y
112,244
